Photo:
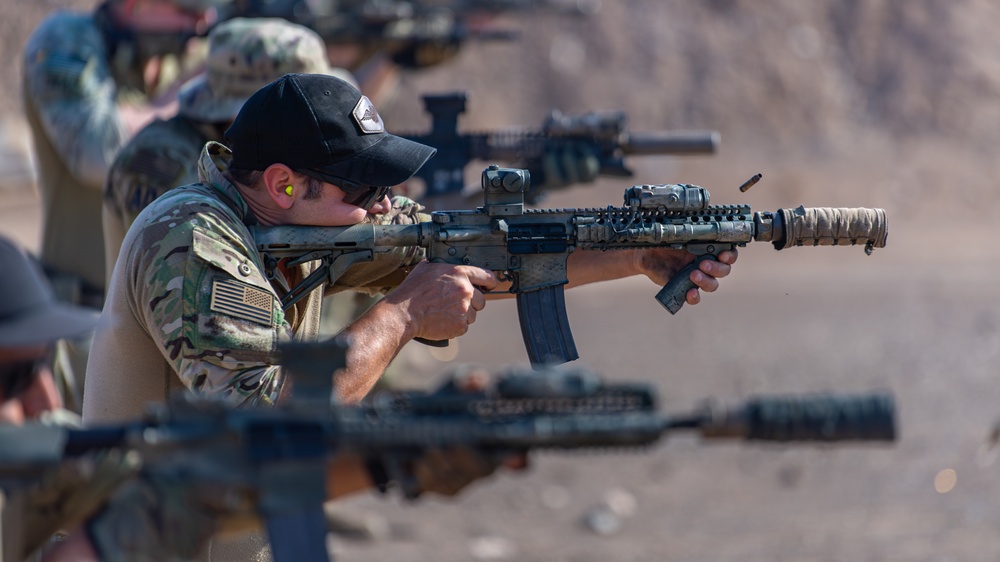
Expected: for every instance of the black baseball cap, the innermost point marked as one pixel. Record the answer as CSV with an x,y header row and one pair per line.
x,y
321,123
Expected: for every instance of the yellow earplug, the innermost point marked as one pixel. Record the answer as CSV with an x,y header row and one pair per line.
x,y
288,191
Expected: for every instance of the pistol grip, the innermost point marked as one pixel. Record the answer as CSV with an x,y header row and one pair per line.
x,y
673,295
545,327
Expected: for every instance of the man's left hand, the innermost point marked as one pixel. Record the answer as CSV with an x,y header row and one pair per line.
x,y
661,264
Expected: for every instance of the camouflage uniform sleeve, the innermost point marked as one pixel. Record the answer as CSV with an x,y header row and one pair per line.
x,y
163,155
70,493
389,269
68,80
202,296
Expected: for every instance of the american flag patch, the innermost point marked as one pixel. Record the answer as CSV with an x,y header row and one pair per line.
x,y
242,301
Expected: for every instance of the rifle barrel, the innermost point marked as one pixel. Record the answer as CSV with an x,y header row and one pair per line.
x,y
672,142
819,417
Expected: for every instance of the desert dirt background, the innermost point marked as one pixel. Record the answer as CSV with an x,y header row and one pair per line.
x,y
884,103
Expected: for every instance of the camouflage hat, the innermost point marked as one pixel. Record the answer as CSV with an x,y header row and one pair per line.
x,y
246,54
29,312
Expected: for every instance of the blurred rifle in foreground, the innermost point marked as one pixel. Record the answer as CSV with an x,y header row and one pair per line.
x,y
530,247
281,452
601,133
413,33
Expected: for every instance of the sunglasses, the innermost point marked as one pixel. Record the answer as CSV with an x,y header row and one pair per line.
x,y
18,376
357,194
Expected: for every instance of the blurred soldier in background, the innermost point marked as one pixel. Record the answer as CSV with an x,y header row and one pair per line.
x,y
31,321
123,517
90,81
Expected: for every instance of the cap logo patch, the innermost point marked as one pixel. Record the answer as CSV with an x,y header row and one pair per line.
x,y
367,117
242,301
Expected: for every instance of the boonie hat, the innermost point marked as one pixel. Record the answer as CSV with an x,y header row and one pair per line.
x,y
323,124
246,54
29,312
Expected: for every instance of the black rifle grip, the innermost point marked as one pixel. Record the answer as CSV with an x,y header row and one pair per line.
x,y
673,295
545,327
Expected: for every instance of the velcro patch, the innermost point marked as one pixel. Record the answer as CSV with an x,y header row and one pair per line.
x,y
242,301
367,117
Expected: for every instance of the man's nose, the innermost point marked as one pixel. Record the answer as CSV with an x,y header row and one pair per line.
x,y
382,207
42,396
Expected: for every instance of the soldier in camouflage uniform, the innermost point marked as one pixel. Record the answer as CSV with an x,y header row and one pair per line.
x,y
90,79
244,55
190,303
232,357
224,349
31,320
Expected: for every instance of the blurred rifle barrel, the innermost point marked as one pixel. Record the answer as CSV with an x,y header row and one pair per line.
x,y
672,142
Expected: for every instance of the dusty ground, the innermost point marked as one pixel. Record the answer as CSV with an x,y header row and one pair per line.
x,y
882,104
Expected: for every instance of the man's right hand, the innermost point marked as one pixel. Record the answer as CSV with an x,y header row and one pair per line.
x,y
436,301
442,299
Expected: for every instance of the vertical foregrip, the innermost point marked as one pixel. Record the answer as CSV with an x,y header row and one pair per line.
x,y
545,327
673,295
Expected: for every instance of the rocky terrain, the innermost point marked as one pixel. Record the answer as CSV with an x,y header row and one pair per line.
x,y
883,103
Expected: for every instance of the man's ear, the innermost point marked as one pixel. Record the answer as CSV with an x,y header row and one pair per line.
x,y
277,180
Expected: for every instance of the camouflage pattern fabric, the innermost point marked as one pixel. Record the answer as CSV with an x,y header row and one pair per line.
x,y
62,497
388,270
69,494
246,54
191,289
163,155
166,513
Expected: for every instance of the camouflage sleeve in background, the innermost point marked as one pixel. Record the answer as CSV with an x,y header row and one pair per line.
x,y
200,292
69,494
161,156
69,82
389,269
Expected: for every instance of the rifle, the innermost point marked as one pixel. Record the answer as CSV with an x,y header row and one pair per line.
x,y
601,133
529,247
281,452
404,29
